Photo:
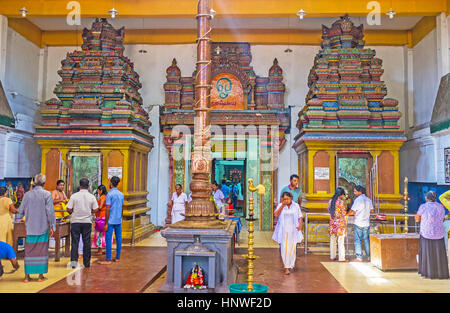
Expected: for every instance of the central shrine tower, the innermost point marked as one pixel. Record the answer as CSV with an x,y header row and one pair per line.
x,y
347,126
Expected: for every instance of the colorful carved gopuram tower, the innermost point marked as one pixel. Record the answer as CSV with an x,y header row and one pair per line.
x,y
347,124
97,128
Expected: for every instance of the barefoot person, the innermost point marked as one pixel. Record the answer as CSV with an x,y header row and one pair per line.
x,y
81,206
7,210
288,230
59,197
99,241
178,204
37,207
433,262
113,220
7,252
338,224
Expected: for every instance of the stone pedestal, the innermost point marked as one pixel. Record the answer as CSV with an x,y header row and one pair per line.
x,y
218,241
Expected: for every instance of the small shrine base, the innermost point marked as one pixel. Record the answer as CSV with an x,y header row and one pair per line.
x,y
220,244
394,251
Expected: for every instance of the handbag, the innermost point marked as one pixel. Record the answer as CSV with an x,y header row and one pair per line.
x,y
99,224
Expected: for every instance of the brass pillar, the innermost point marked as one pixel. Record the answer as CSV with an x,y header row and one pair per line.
x,y
405,197
200,211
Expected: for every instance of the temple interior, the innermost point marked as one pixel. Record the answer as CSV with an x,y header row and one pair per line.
x,y
163,95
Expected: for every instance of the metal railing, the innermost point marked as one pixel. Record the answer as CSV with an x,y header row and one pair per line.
x,y
132,229
372,223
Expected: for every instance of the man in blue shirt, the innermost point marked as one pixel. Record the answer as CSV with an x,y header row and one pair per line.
x,y
7,252
294,189
113,219
225,189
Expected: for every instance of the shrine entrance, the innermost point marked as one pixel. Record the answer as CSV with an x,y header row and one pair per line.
x,y
84,165
232,173
248,119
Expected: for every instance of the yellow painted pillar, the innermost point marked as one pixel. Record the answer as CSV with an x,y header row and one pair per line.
x,y
396,171
332,155
105,166
44,159
126,161
311,154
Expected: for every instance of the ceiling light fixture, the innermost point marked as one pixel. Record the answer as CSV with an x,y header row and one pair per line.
x,y
301,14
391,13
24,12
113,13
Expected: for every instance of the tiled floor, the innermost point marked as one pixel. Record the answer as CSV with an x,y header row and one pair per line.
x,y
13,283
364,277
314,272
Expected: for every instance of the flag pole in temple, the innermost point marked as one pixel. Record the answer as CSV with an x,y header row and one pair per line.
x,y
200,212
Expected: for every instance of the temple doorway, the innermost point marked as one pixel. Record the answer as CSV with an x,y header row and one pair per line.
x,y
84,165
353,169
232,173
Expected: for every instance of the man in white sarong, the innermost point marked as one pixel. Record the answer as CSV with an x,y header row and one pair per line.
x,y
178,204
288,230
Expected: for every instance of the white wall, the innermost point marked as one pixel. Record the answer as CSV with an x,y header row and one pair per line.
x,y
21,154
426,81
422,156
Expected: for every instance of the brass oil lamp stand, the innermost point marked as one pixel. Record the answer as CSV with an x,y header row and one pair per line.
x,y
405,197
250,256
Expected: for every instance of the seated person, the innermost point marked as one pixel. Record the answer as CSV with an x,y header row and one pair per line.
x,y
7,252
229,201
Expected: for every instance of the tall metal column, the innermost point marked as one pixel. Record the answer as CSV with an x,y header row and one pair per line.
x,y
200,211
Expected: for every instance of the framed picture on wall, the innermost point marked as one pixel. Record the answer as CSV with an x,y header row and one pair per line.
x,y
447,165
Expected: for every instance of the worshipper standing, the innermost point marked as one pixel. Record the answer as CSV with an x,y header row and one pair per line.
x,y
59,197
234,191
433,261
445,200
7,209
337,227
113,220
7,252
225,188
217,194
288,230
40,222
81,206
294,189
361,208
178,204
99,235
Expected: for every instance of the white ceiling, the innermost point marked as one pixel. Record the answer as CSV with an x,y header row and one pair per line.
x,y
309,23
